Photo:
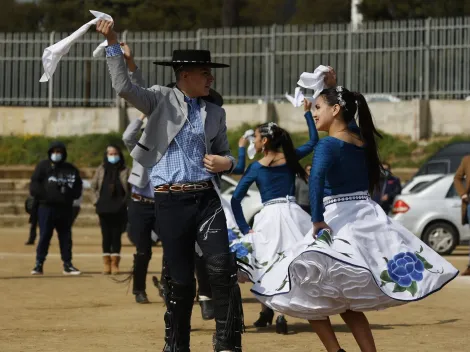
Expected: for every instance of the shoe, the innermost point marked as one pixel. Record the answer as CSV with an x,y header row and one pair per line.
x,y
106,264
341,350
466,272
265,318
37,269
69,269
281,325
141,298
115,259
207,309
29,243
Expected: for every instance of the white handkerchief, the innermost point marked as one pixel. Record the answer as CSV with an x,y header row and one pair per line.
x,y
314,81
298,98
53,54
251,150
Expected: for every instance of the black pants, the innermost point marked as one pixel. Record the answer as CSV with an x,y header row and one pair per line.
x,y
182,219
111,232
60,219
203,284
33,220
142,222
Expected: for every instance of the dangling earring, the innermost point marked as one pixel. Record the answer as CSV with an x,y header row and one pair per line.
x,y
262,149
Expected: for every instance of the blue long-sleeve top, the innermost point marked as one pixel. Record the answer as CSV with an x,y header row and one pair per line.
x,y
240,168
272,181
338,167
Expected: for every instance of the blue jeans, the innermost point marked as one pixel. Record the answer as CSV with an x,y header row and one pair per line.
x,y
60,219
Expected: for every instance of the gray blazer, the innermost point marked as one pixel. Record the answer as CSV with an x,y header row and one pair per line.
x,y
139,175
167,112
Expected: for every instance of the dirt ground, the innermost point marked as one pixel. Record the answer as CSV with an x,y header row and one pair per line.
x,y
92,313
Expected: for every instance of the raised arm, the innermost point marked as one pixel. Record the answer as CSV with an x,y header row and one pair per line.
x,y
240,192
144,100
322,162
308,147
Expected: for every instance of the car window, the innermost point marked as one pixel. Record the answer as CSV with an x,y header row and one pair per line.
x,y
452,192
423,185
437,168
224,185
419,186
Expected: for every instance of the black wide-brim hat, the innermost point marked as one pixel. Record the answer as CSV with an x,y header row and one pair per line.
x,y
213,97
191,57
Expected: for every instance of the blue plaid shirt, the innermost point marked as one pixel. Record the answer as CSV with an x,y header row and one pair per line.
x,y
183,160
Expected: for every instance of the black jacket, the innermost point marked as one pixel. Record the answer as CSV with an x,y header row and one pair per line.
x,y
56,183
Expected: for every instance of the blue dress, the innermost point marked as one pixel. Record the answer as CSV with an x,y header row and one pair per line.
x,y
281,223
366,262
272,181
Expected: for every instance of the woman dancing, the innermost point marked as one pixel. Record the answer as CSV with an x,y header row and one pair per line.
x,y
281,223
358,259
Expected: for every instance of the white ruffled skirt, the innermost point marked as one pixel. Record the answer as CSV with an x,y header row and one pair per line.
x,y
280,225
369,262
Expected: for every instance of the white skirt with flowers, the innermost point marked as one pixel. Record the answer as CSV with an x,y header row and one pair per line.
x,y
280,225
368,262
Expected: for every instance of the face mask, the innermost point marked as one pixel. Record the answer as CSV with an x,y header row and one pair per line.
x,y
113,159
56,157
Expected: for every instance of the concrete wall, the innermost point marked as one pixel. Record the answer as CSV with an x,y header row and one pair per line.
x,y
57,121
449,116
416,119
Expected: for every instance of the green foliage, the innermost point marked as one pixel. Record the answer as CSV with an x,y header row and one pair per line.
x,y
87,150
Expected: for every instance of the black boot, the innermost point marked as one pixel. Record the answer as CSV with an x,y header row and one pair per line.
x,y
141,263
281,325
179,301
226,296
265,318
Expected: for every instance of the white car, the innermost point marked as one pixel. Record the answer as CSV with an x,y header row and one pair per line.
x,y
433,213
418,182
375,98
251,204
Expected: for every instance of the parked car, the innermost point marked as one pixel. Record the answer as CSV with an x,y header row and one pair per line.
x,y
433,213
446,160
251,204
418,182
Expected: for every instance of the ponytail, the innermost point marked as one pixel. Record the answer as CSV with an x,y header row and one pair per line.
x,y
291,157
368,134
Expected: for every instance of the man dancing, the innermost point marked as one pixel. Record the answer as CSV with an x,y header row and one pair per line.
x,y
185,145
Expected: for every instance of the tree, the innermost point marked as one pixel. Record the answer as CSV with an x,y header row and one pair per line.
x,y
19,17
230,13
375,10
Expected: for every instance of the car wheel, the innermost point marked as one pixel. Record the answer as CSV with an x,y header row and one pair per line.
x,y
441,237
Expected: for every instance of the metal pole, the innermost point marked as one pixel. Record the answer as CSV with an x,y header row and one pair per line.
x,y
349,58
266,74
198,39
427,58
356,16
51,80
273,63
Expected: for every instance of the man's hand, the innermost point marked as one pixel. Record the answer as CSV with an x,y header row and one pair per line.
x,y
217,163
106,29
384,197
330,78
465,198
142,117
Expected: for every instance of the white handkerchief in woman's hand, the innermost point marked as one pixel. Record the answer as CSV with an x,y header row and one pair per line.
x,y
53,54
298,98
315,80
